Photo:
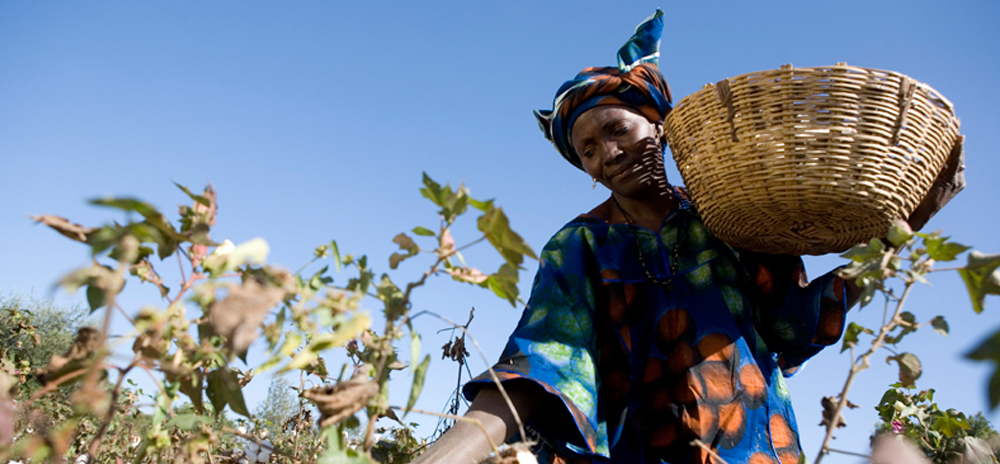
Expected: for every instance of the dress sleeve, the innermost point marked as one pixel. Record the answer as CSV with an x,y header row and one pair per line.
x,y
795,318
553,347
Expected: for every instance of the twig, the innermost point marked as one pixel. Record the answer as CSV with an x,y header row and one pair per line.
x,y
268,445
849,453
699,443
477,422
493,374
387,346
143,366
122,310
467,245
180,264
95,443
857,366
52,386
958,268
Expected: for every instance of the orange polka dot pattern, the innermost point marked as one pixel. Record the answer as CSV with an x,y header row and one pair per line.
x,y
637,370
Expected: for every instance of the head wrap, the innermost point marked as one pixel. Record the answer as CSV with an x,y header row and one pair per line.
x,y
635,83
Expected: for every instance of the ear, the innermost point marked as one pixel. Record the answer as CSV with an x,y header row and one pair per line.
x,y
544,122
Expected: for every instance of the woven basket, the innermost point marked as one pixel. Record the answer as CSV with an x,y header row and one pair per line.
x,y
809,160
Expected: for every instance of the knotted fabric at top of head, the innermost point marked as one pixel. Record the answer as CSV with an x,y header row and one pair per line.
x,y
635,83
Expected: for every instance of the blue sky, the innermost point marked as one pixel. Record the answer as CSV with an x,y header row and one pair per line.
x,y
314,121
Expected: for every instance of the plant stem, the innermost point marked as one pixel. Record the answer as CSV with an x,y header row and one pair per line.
x,y
857,366
456,418
95,443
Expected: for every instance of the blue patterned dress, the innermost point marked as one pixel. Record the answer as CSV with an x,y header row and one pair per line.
x,y
635,369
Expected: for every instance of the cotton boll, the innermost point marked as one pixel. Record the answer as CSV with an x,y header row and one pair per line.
x,y
265,451
525,457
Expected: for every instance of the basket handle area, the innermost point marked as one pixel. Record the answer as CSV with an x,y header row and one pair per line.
x,y
726,98
907,88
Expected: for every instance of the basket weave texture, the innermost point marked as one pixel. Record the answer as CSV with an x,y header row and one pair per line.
x,y
809,160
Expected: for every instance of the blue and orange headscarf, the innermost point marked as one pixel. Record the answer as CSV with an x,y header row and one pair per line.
x,y
636,83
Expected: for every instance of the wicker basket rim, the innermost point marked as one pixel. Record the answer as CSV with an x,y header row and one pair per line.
x,y
790,67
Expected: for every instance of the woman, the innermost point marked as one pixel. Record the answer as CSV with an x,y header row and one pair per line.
x,y
643,332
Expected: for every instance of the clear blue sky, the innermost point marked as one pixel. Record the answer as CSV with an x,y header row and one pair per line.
x,y
314,121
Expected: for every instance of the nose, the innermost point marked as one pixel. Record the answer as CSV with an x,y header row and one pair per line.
x,y
611,152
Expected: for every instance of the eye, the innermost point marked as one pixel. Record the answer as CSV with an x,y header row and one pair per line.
x,y
621,129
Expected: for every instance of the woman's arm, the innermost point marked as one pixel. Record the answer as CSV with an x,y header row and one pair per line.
x,y
465,443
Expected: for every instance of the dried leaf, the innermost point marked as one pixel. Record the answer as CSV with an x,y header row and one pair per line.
x,y
909,368
467,274
239,316
337,402
224,388
63,226
86,344
940,325
829,404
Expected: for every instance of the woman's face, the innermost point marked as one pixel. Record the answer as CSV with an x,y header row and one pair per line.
x,y
619,148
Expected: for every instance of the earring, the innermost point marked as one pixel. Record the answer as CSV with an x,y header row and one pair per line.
x,y
595,183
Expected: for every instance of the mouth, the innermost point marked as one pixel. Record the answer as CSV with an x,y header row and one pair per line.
x,y
622,171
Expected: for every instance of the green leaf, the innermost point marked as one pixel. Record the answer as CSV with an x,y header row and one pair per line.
x,y
504,283
423,231
981,278
900,232
989,350
940,249
414,348
405,243
170,237
851,335
95,298
865,252
940,325
393,297
197,198
288,347
224,388
188,422
432,191
419,375
341,334
483,206
909,368
336,254
496,227
951,425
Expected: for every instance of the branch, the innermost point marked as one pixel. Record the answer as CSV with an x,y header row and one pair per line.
x,y
95,443
493,374
856,367
477,422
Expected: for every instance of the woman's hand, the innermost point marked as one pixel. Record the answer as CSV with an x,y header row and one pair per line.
x,y
465,443
949,182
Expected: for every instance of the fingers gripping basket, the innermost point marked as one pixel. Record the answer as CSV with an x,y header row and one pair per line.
x,y
809,160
